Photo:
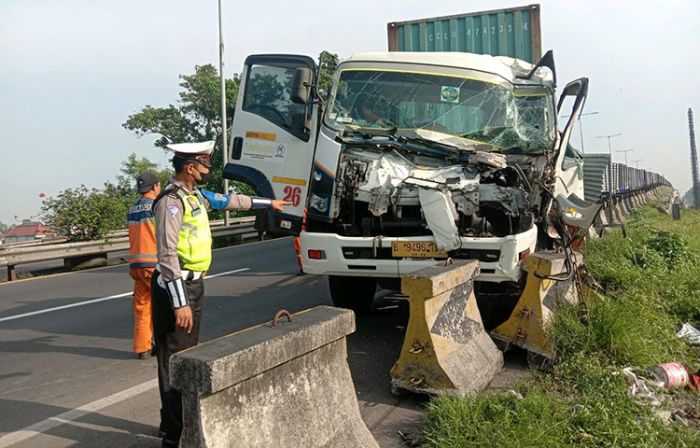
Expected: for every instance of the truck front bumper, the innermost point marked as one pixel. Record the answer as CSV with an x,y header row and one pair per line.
x,y
500,257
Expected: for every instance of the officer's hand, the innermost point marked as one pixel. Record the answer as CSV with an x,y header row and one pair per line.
x,y
279,204
183,318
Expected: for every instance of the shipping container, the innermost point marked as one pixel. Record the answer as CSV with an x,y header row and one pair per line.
x,y
513,32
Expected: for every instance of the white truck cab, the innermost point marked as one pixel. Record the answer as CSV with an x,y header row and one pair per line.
x,y
412,158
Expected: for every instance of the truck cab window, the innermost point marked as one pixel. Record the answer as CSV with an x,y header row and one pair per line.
x,y
268,94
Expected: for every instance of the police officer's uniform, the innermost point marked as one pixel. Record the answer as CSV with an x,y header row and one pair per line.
x,y
183,240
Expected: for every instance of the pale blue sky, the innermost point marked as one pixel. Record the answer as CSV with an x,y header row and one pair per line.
x,y
71,71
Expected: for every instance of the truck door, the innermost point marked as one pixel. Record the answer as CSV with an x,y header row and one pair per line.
x,y
569,163
274,133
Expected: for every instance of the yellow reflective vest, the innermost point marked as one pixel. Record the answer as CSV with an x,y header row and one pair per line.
x,y
194,243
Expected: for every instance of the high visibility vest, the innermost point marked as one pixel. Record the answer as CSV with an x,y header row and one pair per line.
x,y
142,235
194,243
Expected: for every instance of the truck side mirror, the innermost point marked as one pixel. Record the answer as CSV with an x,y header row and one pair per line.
x,y
303,80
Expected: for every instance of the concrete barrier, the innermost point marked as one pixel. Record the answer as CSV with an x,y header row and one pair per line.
x,y
618,212
446,349
527,325
287,385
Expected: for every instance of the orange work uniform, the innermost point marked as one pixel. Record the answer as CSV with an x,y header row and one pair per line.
x,y
142,261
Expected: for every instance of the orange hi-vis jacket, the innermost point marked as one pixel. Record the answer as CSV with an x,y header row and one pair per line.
x,y
142,235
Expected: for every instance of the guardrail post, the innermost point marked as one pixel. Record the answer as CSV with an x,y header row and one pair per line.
x,y
11,272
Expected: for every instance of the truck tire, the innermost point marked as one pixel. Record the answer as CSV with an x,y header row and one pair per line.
x,y
354,293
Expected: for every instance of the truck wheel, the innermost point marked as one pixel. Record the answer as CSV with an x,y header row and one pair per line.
x,y
354,293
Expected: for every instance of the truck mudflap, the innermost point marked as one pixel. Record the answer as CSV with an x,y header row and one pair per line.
x,y
446,349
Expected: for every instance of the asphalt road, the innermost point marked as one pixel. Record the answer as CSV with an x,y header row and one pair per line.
x,y
68,376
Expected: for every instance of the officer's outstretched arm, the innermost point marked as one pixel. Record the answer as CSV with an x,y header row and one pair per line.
x,y
219,201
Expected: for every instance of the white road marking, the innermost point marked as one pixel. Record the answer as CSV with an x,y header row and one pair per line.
x,y
221,274
69,416
63,307
102,299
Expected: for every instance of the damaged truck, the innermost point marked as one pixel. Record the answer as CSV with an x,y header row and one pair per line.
x,y
412,158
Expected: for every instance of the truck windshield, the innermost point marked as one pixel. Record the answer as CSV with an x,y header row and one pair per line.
x,y
498,115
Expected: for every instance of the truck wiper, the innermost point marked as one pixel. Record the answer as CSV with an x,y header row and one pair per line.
x,y
430,143
369,134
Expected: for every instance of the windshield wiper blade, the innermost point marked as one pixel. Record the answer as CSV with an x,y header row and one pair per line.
x,y
369,134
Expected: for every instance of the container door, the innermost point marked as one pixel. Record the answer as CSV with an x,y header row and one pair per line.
x,y
274,134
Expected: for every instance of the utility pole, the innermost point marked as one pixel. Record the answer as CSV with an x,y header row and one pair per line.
x,y
693,159
224,143
610,170
580,126
625,151
640,176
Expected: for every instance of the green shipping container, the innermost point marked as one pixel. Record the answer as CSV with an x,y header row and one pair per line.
x,y
513,32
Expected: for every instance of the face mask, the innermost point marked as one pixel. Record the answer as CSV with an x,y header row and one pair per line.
x,y
204,177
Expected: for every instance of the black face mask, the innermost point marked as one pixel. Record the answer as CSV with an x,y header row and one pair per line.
x,y
204,177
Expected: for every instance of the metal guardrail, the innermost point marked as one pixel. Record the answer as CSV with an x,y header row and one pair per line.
x,y
116,242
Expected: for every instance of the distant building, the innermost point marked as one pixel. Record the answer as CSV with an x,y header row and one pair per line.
x,y
27,231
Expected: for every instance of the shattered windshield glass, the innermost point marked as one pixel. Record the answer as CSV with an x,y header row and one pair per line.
x,y
480,111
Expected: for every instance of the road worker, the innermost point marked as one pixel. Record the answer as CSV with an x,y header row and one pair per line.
x,y
142,260
183,241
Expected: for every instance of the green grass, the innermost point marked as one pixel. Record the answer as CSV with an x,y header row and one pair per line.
x,y
652,286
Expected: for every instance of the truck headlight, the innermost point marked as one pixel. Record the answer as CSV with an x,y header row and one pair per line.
x,y
319,203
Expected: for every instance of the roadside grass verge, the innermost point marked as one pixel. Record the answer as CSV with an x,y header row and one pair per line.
x,y
652,286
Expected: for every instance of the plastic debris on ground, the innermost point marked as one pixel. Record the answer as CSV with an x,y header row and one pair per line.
x,y
690,333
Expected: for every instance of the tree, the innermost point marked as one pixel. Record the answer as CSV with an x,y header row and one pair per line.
x,y
83,214
125,187
328,62
196,117
4,227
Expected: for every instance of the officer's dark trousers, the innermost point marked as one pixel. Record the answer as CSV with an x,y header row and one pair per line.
x,y
171,340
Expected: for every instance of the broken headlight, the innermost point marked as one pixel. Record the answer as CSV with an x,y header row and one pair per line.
x,y
318,203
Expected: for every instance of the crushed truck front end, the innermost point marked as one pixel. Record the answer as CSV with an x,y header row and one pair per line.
x,y
421,157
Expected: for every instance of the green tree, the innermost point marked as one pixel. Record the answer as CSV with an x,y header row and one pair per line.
x,y
125,186
4,227
328,62
83,214
195,118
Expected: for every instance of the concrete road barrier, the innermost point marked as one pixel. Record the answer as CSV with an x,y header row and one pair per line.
x,y
526,327
446,349
287,385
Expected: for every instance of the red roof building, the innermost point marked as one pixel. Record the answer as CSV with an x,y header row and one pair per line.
x,y
27,231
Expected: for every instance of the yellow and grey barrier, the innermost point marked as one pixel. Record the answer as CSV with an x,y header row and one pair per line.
x,y
526,326
446,349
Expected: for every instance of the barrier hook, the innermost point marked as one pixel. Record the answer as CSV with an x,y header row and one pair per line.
x,y
279,314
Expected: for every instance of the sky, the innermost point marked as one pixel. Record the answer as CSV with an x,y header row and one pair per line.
x,y
72,71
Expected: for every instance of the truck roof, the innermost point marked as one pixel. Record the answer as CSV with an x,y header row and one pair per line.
x,y
506,67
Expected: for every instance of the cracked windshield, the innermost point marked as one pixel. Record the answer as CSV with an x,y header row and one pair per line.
x,y
475,110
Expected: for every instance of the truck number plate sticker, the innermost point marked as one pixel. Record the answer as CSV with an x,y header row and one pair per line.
x,y
449,94
416,249
293,195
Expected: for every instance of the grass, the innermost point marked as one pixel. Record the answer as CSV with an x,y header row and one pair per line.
x,y
652,285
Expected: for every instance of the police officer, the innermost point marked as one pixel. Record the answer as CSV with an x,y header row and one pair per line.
x,y
183,241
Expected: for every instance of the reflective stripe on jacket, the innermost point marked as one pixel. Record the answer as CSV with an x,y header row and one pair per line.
x,y
142,235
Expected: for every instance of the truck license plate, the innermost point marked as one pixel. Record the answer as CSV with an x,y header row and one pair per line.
x,y
416,249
